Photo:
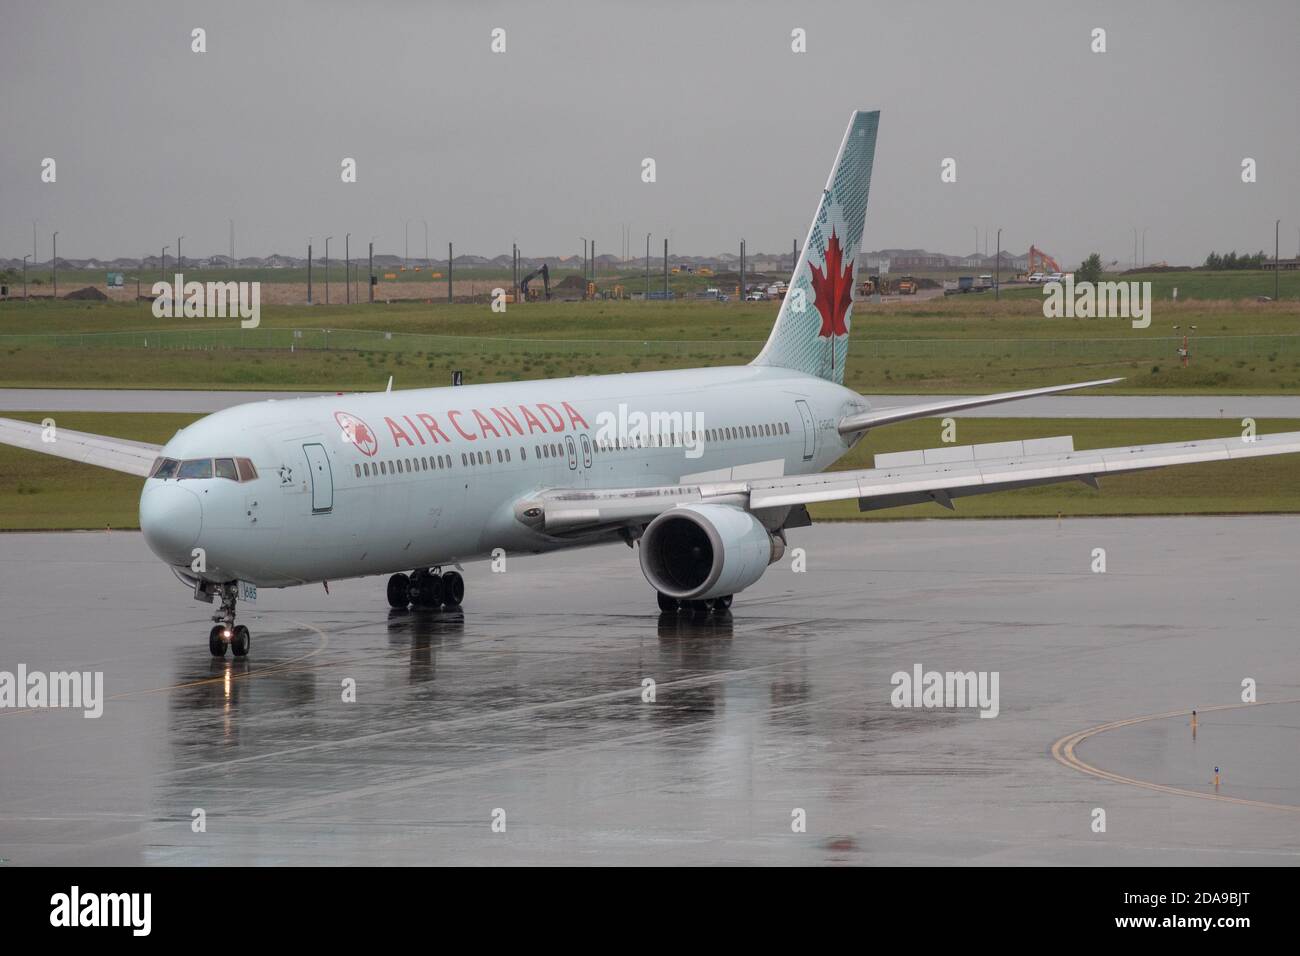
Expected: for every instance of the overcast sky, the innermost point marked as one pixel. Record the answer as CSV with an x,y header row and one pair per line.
x,y
1060,146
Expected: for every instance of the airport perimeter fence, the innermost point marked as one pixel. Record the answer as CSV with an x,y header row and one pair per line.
x,y
1129,348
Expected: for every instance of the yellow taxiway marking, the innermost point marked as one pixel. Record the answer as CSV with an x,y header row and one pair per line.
x,y
1063,751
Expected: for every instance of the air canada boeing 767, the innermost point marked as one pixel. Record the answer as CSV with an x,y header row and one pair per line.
x,y
704,472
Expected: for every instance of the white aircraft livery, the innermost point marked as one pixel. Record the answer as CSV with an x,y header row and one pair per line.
x,y
703,471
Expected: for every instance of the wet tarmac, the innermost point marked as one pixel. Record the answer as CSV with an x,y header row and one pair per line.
x,y
530,701
1050,406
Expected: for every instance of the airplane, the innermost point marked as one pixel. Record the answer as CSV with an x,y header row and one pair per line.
x,y
703,471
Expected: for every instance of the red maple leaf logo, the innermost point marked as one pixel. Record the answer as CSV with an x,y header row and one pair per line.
x,y
833,290
358,433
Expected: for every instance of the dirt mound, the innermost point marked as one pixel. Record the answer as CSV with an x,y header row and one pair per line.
x,y
571,282
89,292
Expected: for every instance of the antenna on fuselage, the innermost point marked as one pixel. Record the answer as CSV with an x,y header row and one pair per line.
x,y
390,384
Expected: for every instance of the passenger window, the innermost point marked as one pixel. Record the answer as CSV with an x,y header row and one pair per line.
x,y
196,468
226,469
356,467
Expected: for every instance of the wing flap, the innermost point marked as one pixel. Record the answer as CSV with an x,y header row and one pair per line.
x,y
118,454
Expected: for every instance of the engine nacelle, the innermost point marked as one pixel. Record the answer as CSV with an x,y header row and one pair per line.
x,y
696,552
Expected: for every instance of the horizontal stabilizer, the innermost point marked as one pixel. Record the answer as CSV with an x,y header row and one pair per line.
x,y
903,413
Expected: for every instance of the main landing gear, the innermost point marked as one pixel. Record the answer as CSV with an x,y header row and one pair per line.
x,y
427,588
671,605
225,631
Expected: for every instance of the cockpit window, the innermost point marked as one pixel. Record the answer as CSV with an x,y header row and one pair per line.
x,y
195,468
232,469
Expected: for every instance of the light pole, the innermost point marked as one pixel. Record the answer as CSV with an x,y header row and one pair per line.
x,y
1277,226
584,266
406,254
647,265
1135,247
180,259
33,242
163,267
54,264
327,269
309,239
25,258
347,267
370,272
1144,244
426,243
997,269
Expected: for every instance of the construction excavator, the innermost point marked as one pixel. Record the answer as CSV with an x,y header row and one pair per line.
x,y
545,273
1039,261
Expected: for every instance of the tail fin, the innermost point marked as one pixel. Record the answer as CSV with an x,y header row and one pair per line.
x,y
812,329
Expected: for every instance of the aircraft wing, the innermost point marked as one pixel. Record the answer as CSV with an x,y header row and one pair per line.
x,y
904,478
902,413
119,454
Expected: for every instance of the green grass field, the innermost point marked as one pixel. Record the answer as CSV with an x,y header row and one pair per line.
x,y
42,492
959,344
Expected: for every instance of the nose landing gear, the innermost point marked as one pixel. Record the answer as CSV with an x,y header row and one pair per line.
x,y
426,588
225,631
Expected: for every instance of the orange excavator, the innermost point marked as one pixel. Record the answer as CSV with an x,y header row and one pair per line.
x,y
1039,261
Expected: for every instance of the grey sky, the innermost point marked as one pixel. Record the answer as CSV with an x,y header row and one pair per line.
x,y
1057,145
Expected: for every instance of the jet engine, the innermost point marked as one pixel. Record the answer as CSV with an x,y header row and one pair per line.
x,y
697,552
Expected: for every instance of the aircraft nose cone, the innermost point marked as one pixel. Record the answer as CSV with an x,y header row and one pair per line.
x,y
171,518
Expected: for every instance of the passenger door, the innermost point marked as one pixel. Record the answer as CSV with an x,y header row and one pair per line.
x,y
809,430
322,479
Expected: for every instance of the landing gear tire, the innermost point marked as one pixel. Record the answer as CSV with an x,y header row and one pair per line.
x,y
721,604
698,608
428,592
217,640
453,589
399,586
240,641
669,605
